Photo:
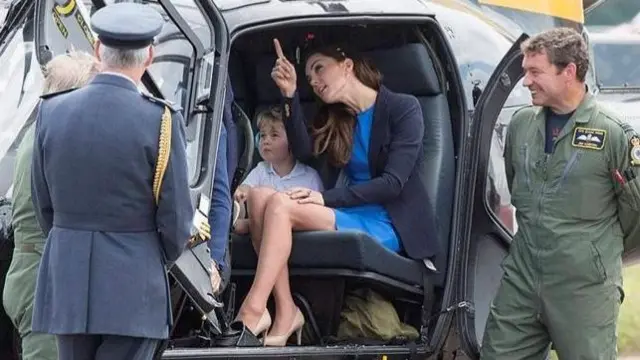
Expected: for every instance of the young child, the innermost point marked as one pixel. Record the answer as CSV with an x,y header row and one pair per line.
x,y
279,170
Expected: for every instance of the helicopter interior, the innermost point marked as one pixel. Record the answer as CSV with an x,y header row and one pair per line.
x,y
324,266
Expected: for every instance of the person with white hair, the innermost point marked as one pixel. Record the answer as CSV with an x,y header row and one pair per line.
x,y
62,73
111,190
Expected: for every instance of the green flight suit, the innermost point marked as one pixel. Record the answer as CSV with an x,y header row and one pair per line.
x,y
562,279
20,284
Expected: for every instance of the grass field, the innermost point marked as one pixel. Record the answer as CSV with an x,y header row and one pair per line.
x,y
629,320
629,323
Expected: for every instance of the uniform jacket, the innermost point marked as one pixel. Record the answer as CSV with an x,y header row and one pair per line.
x,y
103,267
395,157
25,224
567,201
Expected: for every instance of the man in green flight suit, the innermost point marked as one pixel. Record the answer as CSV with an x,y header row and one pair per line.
x,y
569,162
61,73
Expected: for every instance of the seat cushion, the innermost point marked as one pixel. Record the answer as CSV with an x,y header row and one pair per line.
x,y
336,250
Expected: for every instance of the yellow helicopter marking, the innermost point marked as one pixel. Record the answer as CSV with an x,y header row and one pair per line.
x,y
65,10
566,9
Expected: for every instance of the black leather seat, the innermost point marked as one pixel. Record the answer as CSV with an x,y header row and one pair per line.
x,y
406,69
237,79
244,130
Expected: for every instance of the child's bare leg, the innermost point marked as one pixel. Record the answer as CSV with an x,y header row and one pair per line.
x,y
241,227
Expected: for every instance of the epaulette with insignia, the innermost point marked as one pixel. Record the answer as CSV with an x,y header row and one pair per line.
x,y
615,117
173,106
610,113
50,95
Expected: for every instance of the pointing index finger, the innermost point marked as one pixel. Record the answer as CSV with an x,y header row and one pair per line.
x,y
279,51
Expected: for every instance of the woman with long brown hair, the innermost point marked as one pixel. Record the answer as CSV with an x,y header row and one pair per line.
x,y
368,142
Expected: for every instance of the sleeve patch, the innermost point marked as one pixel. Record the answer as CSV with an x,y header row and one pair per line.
x,y
634,150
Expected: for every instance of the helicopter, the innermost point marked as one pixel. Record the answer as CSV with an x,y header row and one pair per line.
x,y
614,32
460,58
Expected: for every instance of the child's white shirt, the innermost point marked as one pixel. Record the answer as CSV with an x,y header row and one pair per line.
x,y
300,176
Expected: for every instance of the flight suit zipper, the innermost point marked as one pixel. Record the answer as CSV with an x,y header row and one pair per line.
x,y
527,178
570,164
538,248
543,165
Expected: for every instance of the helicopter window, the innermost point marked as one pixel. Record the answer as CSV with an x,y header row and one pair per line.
x,y
616,64
68,27
612,12
497,194
170,69
190,12
20,85
187,10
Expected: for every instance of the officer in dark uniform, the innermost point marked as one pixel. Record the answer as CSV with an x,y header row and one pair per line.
x,y
102,285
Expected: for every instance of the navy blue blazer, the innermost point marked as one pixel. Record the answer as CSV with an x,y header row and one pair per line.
x,y
103,269
395,157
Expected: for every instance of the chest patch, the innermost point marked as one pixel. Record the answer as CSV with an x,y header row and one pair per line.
x,y
587,138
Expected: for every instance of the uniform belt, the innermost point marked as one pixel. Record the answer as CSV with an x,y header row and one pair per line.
x,y
96,222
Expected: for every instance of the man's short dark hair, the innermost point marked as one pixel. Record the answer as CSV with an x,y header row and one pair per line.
x,y
562,46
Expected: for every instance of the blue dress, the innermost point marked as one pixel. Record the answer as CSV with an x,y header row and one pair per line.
x,y
371,219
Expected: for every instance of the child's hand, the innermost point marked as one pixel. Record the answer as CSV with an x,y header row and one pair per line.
x,y
215,278
241,194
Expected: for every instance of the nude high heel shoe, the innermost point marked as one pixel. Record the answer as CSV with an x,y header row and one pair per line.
x,y
296,327
263,324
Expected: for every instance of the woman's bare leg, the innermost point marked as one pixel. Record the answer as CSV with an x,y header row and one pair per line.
x,y
281,215
256,203
281,291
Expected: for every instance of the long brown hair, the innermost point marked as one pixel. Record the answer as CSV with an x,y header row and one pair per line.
x,y
332,128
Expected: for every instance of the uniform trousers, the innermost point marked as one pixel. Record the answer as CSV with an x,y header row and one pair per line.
x,y
105,347
18,302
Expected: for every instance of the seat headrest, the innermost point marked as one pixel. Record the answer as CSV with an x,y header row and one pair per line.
x,y
406,69
237,79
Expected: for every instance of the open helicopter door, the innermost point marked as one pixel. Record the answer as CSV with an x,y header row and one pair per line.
x,y
478,272
185,71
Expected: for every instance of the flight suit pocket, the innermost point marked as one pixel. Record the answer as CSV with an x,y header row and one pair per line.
x,y
19,288
599,269
582,178
630,194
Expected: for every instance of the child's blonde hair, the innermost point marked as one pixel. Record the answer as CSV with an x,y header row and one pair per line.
x,y
271,115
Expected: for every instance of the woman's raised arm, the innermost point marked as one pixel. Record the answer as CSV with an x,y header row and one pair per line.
x,y
297,128
284,75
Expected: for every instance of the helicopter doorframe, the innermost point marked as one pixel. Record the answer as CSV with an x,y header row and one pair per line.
x,y
445,319
504,79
